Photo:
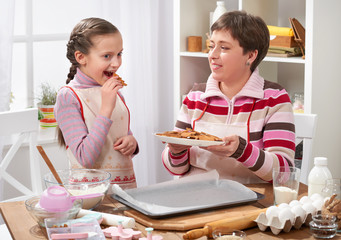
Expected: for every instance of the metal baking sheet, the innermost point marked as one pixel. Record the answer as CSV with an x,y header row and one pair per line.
x,y
158,201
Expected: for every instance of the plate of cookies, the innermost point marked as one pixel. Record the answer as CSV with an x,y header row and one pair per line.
x,y
189,137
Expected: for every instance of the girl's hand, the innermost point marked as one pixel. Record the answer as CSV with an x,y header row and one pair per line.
x,y
227,149
126,145
109,93
177,148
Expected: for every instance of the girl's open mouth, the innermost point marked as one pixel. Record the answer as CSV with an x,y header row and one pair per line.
x,y
108,74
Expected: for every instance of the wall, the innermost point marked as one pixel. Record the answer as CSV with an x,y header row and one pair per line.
x,y
326,82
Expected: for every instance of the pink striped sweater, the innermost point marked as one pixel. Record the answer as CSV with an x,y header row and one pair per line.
x,y
76,134
271,128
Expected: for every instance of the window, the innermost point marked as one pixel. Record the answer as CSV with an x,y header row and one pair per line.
x,y
41,32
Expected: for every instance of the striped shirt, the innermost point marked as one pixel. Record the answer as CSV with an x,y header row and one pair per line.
x,y
271,124
85,144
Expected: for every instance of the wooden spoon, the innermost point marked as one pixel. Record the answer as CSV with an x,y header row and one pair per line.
x,y
50,165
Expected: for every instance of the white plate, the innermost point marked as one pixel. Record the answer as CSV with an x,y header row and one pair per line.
x,y
189,142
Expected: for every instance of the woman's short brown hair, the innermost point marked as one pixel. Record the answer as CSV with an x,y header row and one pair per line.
x,y
250,31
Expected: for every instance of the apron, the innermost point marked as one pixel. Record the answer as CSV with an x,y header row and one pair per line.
x,y
202,160
118,165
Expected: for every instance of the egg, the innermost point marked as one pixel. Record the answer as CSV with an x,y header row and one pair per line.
x,y
305,199
315,196
318,203
294,203
309,208
283,205
271,212
298,211
286,214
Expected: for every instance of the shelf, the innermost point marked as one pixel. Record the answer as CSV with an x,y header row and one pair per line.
x,y
266,59
193,54
284,59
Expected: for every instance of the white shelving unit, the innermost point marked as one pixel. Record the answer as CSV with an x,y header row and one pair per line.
x,y
266,59
191,18
317,76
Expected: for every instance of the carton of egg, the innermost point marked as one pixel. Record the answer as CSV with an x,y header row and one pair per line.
x,y
285,216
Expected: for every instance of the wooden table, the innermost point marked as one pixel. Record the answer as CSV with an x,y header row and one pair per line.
x,y
22,226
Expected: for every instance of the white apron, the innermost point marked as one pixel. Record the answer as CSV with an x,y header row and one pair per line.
x,y
228,168
118,165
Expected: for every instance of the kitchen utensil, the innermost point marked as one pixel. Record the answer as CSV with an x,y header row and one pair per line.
x,y
243,221
173,198
111,219
39,214
57,199
150,236
72,235
72,229
82,182
49,164
120,233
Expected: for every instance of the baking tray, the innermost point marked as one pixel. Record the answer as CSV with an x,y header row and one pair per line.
x,y
179,199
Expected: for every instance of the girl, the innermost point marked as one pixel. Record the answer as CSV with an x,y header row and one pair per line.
x,y
92,116
253,116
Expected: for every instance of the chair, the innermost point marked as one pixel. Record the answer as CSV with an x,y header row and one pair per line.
x,y
22,127
305,127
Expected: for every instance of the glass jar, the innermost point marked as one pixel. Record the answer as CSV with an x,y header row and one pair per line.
x,y
298,103
323,226
227,234
332,186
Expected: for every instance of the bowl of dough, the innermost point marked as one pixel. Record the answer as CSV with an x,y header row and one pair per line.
x,y
82,182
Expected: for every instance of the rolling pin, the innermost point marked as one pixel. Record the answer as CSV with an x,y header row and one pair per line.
x,y
240,222
111,219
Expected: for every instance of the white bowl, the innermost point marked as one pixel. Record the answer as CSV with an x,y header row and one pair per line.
x,y
82,182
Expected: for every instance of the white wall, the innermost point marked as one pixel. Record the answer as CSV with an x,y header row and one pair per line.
x,y
327,82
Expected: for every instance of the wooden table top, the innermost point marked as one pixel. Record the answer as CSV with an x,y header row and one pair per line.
x,y
22,226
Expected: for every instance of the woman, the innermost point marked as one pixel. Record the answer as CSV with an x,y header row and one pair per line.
x,y
253,116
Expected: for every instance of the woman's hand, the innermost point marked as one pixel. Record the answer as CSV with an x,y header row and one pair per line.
x,y
109,93
229,147
126,145
177,148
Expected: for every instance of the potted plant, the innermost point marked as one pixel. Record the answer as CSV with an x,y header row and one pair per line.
x,y
47,100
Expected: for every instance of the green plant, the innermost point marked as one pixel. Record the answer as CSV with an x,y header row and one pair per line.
x,y
48,95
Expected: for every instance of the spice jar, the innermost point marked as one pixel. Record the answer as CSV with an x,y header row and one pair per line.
x,y
323,226
332,186
298,103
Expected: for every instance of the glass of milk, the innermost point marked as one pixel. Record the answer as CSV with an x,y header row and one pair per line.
x,y
286,181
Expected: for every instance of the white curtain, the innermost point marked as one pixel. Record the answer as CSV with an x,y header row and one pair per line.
x,y
6,38
147,31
